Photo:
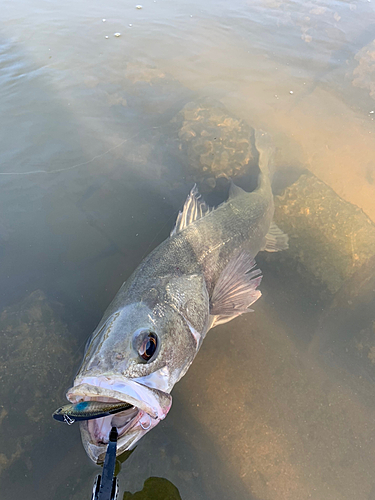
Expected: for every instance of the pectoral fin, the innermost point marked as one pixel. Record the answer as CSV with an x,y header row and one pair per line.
x,y
235,290
276,240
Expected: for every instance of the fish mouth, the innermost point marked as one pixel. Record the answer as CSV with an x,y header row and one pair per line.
x,y
149,407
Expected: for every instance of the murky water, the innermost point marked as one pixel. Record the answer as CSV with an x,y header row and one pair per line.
x,y
278,404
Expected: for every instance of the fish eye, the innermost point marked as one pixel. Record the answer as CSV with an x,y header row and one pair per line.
x,y
148,345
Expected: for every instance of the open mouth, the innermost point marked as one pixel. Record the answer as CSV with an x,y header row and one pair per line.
x,y
100,428
149,406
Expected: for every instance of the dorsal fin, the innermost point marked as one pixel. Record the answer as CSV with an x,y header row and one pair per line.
x,y
194,208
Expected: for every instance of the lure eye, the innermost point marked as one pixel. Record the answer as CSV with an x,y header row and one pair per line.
x,y
148,346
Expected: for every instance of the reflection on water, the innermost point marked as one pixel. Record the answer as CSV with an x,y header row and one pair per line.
x,y
99,147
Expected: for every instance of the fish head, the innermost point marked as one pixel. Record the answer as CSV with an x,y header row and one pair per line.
x,y
136,355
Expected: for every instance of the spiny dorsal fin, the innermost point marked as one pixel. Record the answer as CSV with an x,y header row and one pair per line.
x,y
194,208
276,240
235,289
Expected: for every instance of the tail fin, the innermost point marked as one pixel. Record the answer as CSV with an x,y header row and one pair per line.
x,y
266,149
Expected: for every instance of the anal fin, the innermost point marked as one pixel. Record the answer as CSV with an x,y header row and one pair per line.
x,y
235,289
276,240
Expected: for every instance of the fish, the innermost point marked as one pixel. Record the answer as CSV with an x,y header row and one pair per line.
x,y
87,410
203,275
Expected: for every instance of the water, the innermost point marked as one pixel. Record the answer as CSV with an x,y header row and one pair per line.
x,y
89,186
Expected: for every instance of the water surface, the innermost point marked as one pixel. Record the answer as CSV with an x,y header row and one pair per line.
x,y
88,187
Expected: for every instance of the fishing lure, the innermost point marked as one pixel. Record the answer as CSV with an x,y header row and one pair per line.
x,y
87,410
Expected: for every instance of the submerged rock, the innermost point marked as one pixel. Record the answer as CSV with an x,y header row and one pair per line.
x,y
37,357
346,331
212,143
329,238
332,255
364,73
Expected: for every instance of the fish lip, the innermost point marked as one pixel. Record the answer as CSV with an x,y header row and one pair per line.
x,y
151,402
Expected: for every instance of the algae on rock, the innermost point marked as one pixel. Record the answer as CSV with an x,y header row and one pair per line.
x,y
37,356
329,238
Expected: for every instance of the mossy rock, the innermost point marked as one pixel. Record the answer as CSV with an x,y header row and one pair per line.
x,y
212,143
38,354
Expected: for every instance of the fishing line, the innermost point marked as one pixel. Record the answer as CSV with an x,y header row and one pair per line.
x,y
72,167
101,155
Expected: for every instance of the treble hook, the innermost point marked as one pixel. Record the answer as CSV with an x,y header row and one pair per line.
x,y
149,425
68,420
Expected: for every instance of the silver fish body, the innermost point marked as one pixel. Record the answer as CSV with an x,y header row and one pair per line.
x,y
201,276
